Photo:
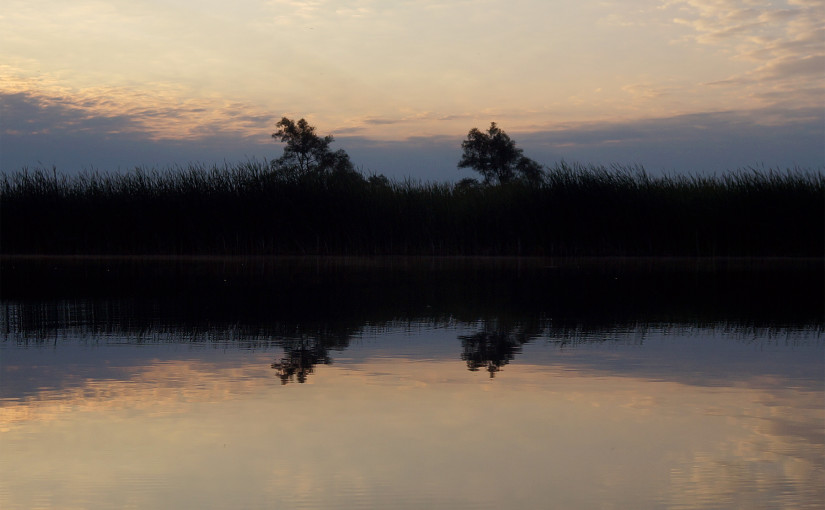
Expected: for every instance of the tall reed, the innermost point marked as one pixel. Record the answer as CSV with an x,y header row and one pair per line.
x,y
576,210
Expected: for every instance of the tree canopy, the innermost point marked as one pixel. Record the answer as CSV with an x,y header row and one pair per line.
x,y
306,152
495,156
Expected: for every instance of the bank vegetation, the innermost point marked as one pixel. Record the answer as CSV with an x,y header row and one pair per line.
x,y
250,208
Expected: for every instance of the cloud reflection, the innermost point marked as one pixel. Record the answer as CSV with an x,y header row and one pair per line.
x,y
419,427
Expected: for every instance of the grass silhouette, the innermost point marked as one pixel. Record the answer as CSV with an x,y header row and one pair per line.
x,y
247,209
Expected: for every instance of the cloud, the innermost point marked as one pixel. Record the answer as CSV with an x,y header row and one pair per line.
x,y
703,143
695,143
28,114
647,90
53,130
382,122
806,66
163,113
42,130
785,42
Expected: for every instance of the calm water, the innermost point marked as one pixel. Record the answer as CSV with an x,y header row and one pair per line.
x,y
425,384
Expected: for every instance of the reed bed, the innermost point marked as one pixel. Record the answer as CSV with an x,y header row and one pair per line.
x,y
247,209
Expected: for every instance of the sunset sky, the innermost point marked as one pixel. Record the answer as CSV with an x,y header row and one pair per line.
x,y
674,85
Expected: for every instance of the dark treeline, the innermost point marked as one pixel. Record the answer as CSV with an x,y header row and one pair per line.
x,y
249,209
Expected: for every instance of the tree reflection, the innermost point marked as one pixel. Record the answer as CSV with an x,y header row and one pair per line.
x,y
496,345
304,351
299,361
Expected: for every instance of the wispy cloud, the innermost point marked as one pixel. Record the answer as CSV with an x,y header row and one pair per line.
x,y
705,142
157,115
784,41
382,122
186,71
39,130
52,130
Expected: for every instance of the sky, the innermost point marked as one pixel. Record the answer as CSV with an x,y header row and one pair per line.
x,y
678,86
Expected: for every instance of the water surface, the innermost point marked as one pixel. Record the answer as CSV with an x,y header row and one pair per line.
x,y
335,385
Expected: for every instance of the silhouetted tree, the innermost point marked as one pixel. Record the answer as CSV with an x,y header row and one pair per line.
x,y
495,156
306,152
466,185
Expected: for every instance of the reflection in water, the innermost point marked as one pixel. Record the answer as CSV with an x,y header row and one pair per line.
x,y
497,345
197,294
379,431
615,393
486,344
300,359
308,348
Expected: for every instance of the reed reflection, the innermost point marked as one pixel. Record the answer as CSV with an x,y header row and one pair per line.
x,y
309,307
487,343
